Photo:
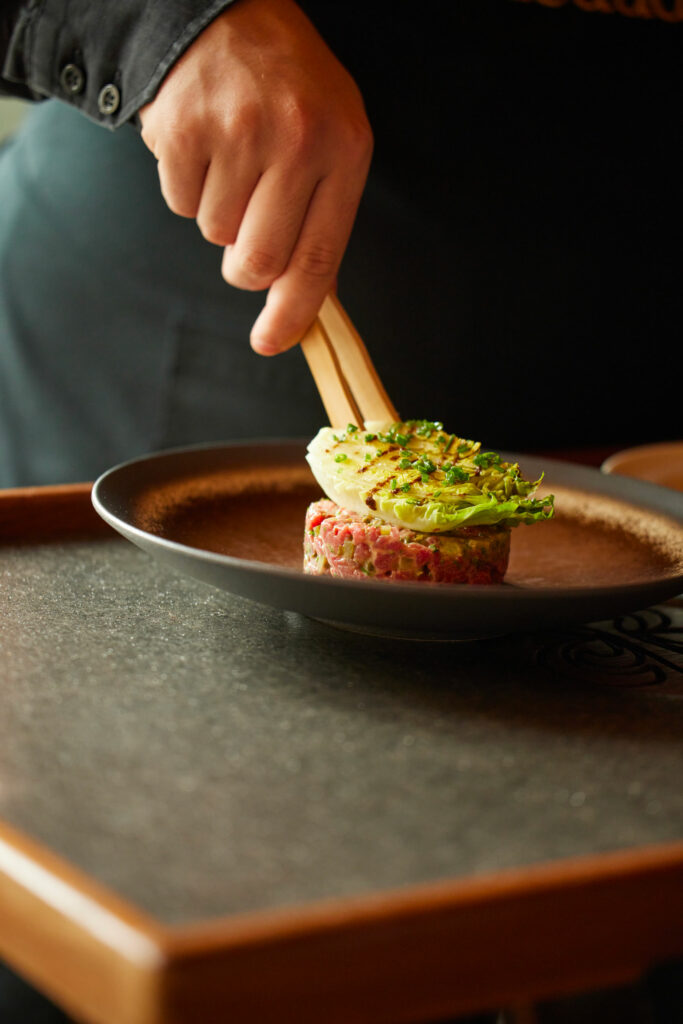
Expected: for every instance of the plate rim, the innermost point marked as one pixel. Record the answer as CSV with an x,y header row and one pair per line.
x,y
659,447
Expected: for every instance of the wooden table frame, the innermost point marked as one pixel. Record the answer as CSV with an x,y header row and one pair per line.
x,y
397,956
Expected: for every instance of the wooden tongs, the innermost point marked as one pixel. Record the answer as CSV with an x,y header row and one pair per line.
x,y
348,383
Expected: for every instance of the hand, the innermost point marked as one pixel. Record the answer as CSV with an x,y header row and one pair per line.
x,y
262,136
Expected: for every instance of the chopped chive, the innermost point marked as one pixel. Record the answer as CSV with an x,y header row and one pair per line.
x,y
456,475
425,465
486,459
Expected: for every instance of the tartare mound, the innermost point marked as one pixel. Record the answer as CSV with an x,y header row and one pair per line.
x,y
338,542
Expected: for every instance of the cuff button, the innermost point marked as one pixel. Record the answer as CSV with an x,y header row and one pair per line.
x,y
109,99
72,79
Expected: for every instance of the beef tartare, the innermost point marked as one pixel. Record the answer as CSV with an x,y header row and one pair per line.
x,y
342,543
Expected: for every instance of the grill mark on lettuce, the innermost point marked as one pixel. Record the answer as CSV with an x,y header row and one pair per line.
x,y
370,496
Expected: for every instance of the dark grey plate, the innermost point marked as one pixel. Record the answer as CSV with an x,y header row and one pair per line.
x,y
232,515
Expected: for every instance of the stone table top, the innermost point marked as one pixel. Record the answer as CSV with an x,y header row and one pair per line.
x,y
203,755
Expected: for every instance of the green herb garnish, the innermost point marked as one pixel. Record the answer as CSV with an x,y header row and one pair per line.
x,y
485,460
454,474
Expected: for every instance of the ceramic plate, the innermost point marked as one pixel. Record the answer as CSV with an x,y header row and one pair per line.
x,y
659,463
232,515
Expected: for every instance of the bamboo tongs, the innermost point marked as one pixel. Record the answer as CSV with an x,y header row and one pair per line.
x,y
349,384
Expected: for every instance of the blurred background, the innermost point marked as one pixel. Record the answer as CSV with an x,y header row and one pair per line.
x,y
11,113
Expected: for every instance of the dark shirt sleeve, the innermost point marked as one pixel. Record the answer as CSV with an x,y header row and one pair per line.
x,y
105,57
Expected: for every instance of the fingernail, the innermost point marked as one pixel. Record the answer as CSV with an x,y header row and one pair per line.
x,y
264,347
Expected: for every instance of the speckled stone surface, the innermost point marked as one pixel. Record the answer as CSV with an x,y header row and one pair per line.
x,y
204,755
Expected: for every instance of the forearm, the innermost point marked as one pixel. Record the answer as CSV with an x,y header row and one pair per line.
x,y
107,59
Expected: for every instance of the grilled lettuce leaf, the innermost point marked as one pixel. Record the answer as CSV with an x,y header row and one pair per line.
x,y
415,474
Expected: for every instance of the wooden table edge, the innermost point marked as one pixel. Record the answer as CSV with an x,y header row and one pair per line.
x,y
95,954
401,955
47,513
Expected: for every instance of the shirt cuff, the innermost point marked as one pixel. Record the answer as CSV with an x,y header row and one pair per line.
x,y
105,58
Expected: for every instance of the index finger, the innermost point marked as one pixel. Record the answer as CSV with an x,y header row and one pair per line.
x,y
296,295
